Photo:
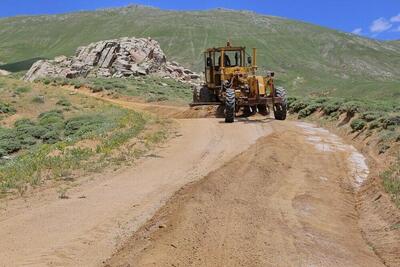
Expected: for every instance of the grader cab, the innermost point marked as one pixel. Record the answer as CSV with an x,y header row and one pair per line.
x,y
231,80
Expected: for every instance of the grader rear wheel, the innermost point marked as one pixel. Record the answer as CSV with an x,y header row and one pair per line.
x,y
280,109
249,111
230,106
202,94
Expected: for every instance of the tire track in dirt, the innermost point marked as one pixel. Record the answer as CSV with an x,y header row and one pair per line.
x,y
85,231
283,202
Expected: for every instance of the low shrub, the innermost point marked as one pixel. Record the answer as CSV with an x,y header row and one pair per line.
x,y
320,100
21,90
369,116
357,124
374,125
52,120
391,181
80,126
96,89
391,121
39,99
297,105
51,137
38,131
77,84
387,136
63,102
6,108
310,109
32,165
350,107
47,81
331,106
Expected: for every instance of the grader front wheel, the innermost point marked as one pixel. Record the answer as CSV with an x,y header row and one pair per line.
x,y
230,106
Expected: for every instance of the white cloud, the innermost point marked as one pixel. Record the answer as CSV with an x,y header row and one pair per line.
x,y
380,25
357,31
395,18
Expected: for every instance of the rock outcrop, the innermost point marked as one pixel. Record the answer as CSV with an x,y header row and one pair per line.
x,y
113,58
4,72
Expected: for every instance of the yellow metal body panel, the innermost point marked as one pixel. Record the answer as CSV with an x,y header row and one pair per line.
x,y
261,85
241,76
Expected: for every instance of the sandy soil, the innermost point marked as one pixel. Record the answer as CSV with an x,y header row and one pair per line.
x,y
286,201
274,194
85,231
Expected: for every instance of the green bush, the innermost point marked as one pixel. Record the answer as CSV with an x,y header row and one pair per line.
x,y
46,81
387,136
374,125
39,99
369,116
357,124
27,140
52,120
297,105
22,90
51,137
39,131
96,89
10,145
390,121
63,102
3,153
332,106
60,81
391,181
83,125
320,100
6,108
8,141
350,107
77,84
24,127
309,110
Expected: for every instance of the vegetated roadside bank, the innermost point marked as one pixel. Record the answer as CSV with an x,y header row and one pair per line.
x,y
149,88
54,135
374,128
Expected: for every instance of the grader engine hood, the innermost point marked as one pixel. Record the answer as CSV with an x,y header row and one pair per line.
x,y
258,85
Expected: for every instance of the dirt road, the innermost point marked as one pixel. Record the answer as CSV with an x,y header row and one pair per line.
x,y
284,200
85,231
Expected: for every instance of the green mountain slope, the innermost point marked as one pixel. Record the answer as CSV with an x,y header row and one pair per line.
x,y
307,58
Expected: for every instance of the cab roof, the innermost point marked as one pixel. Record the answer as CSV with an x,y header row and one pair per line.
x,y
226,48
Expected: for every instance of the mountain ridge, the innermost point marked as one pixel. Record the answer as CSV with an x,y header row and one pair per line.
x,y
306,57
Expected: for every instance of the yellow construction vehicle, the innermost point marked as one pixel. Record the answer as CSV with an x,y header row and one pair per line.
x,y
231,80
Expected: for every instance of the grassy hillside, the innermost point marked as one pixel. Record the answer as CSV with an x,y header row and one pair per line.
x,y
308,59
50,134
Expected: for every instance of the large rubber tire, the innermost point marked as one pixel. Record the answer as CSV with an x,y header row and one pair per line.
x,y
280,109
202,94
230,106
249,111
196,94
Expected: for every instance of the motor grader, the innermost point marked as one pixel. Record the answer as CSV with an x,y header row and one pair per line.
x,y
231,80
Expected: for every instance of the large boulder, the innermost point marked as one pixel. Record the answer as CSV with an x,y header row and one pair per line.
x,y
113,58
4,72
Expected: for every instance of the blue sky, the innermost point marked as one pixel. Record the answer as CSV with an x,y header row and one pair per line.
x,y
371,18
